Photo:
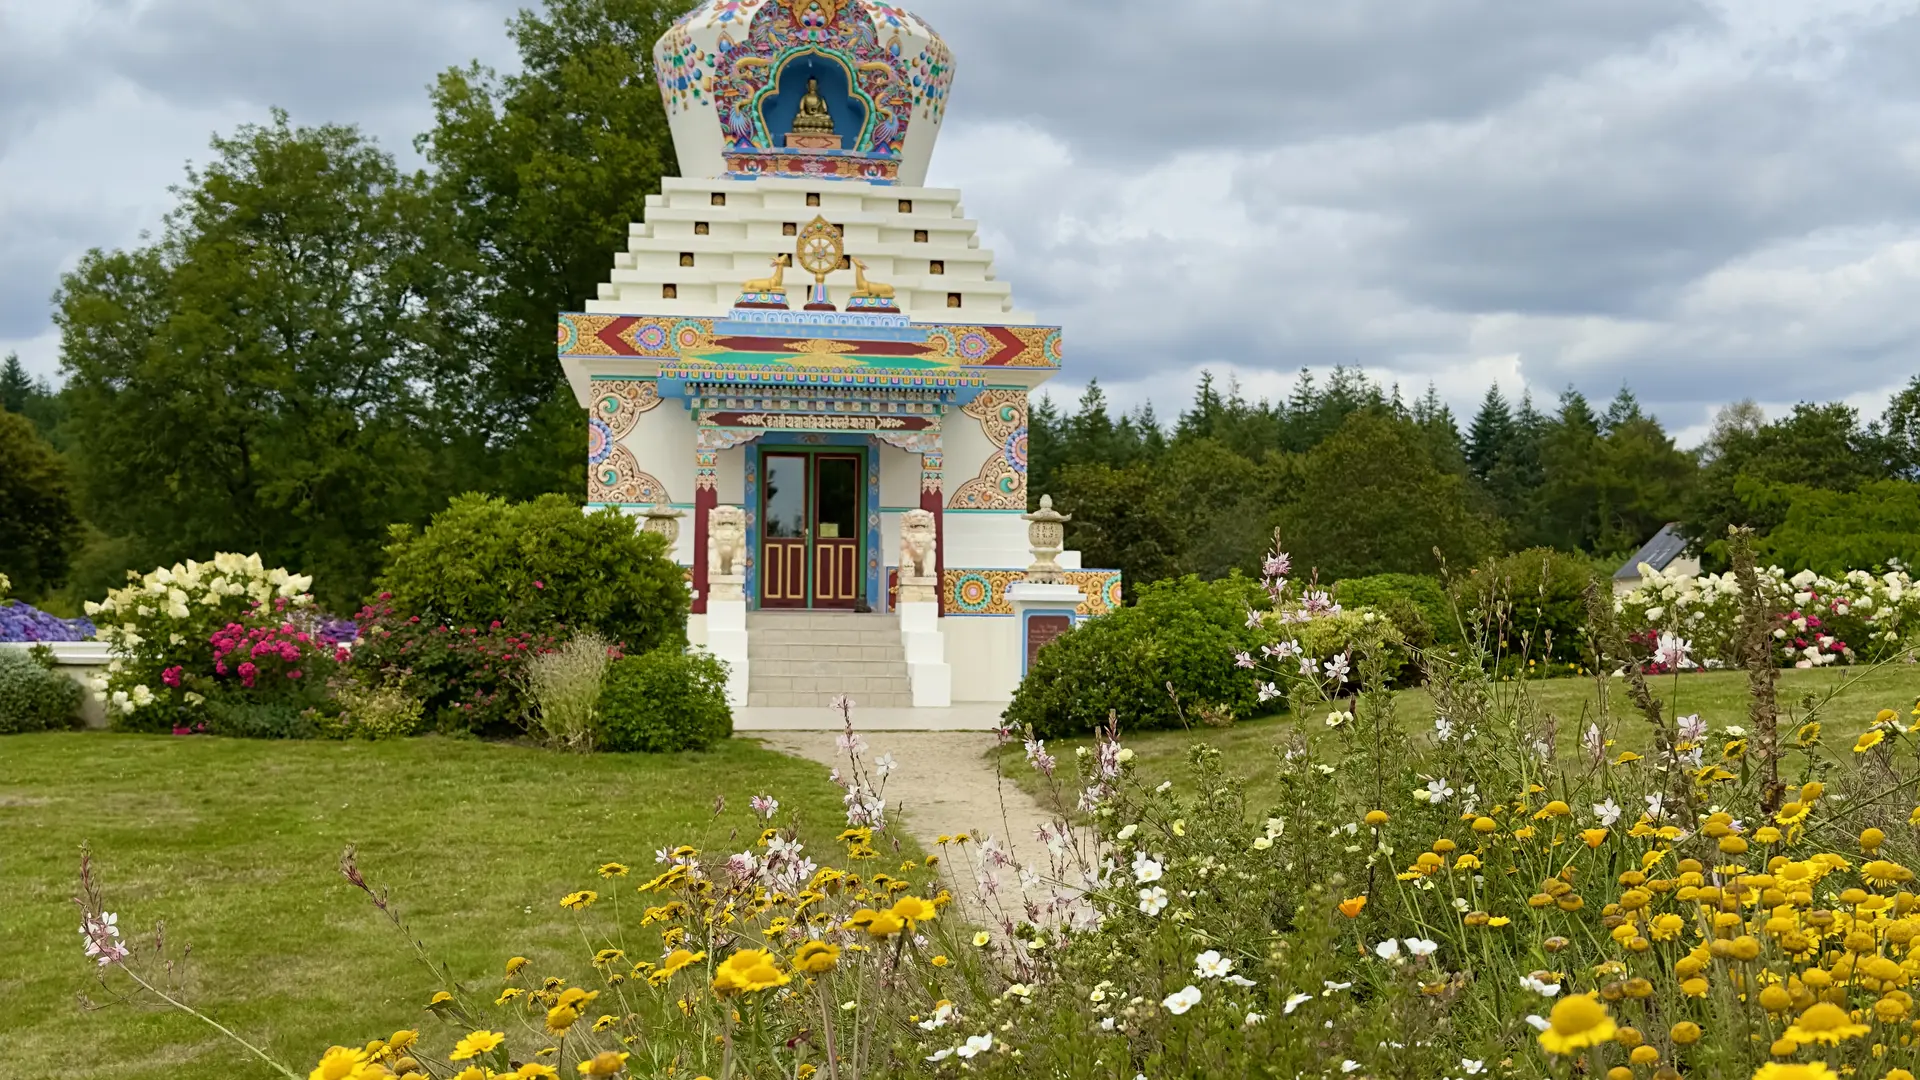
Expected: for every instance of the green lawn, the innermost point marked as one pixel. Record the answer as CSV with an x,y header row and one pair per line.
x,y
1847,700
236,845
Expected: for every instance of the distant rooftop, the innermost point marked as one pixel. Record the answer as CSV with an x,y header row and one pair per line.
x,y
1666,546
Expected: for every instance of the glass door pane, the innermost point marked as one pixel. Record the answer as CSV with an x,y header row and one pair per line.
x,y
784,506
839,503
785,500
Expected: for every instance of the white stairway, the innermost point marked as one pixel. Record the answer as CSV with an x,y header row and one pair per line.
x,y
800,659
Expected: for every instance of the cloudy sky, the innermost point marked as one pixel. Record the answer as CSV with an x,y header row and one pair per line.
x,y
1704,199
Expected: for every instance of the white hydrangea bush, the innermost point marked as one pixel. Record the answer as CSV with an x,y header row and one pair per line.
x,y
1859,617
160,627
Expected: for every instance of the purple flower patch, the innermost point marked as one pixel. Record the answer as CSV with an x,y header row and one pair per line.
x,y
24,622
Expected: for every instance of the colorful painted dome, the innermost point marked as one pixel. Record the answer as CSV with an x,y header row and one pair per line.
x,y
832,89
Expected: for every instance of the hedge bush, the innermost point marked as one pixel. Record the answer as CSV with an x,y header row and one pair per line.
x,y
35,697
1543,594
664,701
1183,631
537,565
1416,603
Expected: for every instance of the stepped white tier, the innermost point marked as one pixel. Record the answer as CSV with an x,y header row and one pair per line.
x,y
690,256
809,350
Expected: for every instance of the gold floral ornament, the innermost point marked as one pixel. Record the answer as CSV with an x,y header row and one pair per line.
x,y
749,971
820,249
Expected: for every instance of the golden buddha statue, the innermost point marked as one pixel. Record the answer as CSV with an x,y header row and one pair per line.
x,y
813,118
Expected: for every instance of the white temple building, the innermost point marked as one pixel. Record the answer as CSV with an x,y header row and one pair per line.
x,y
805,353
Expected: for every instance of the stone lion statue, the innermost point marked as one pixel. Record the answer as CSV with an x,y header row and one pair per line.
x,y
919,545
726,540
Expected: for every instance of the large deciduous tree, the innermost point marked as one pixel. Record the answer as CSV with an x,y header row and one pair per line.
x,y
39,529
1748,460
279,371
543,171
1373,501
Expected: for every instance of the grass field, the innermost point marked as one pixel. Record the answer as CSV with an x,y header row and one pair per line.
x,y
236,845
1846,700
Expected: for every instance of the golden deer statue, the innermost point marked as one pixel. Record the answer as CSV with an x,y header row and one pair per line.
x,y
878,290
774,284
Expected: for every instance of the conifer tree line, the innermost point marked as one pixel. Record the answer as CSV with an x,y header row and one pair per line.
x,y
1359,481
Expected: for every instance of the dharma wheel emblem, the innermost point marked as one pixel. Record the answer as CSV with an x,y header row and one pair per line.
x,y
821,249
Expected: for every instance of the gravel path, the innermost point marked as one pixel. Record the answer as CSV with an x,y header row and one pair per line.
x,y
944,783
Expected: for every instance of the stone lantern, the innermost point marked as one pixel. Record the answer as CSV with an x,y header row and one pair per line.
x,y
665,521
1047,537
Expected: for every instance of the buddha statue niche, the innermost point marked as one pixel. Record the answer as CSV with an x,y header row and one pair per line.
x,y
813,118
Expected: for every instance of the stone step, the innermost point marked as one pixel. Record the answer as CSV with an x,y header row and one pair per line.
x,y
829,654
868,700
786,686
805,659
800,636
814,665
820,620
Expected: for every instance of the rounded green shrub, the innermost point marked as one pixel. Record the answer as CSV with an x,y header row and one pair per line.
x,y
1417,603
663,702
1183,632
1362,633
534,565
33,696
1531,602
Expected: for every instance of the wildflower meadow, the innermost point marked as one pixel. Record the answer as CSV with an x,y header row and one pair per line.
x,y
1648,896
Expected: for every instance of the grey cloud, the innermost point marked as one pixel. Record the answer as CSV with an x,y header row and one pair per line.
x,y
1616,222
37,247
1136,78
349,61
329,59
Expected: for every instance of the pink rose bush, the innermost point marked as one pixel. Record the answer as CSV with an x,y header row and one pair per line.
x,y
194,633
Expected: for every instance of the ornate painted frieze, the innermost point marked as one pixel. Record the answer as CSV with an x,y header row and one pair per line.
x,y
619,403
728,345
1002,483
984,592
617,480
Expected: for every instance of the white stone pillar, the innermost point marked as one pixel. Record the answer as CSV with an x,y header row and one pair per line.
x,y
727,599
926,646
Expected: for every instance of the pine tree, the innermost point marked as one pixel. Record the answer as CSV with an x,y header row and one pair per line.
x,y
1436,422
17,390
1203,419
1623,410
1492,435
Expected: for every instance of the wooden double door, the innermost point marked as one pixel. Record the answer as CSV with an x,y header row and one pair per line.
x,y
812,532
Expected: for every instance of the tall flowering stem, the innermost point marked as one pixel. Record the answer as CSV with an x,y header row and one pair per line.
x,y
1763,707
109,952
